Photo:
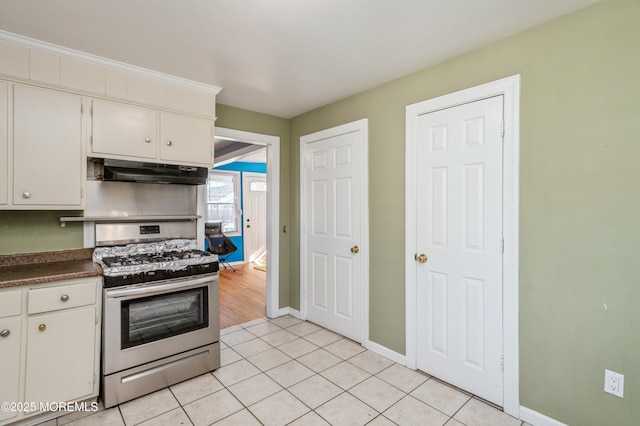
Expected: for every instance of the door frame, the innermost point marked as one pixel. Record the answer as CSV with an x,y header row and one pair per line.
x,y
244,191
510,88
273,209
361,125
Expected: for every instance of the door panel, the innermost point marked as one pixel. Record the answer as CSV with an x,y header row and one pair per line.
x,y
255,216
332,266
459,227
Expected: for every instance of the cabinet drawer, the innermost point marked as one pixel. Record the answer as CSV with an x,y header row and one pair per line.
x,y
61,297
10,303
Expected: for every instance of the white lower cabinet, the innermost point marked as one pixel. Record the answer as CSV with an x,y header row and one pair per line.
x,y
50,351
60,355
10,349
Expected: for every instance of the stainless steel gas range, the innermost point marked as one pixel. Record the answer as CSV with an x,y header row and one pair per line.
x,y
161,322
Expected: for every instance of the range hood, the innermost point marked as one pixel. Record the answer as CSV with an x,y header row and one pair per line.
x,y
134,171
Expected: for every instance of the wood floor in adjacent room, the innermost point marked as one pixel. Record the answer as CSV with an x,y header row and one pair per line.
x,y
242,294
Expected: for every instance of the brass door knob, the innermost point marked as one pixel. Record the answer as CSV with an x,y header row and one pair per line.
x,y
421,258
355,249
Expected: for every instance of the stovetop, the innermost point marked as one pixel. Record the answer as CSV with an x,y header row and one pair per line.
x,y
148,262
149,258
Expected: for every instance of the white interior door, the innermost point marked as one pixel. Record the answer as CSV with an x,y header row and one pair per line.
x,y
254,199
459,246
333,226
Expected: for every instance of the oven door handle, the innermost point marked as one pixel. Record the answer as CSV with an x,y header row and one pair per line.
x,y
150,290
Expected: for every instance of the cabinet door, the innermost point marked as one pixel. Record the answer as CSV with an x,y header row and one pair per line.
x,y
186,140
4,146
10,332
121,131
47,147
60,355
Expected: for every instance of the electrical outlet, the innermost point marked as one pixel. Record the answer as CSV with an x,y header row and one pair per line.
x,y
614,383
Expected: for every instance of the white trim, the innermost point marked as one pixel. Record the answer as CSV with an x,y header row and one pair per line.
x,y
105,62
288,311
362,126
510,88
384,351
538,419
273,209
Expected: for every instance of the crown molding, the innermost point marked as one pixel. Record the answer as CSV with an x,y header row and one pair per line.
x,y
105,62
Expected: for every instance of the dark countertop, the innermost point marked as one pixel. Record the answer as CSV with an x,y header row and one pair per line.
x,y
37,268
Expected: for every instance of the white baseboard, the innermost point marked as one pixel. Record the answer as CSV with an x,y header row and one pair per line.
x,y
288,311
537,419
384,351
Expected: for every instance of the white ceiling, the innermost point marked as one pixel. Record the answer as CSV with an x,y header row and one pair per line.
x,y
280,57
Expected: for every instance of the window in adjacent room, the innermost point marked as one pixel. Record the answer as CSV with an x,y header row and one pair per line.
x,y
223,200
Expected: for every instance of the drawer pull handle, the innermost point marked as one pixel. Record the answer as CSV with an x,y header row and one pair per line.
x,y
64,297
42,327
5,333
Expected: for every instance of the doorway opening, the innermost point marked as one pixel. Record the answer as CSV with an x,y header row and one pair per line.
x,y
249,293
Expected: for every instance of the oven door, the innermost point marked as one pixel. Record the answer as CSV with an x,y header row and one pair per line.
x,y
147,322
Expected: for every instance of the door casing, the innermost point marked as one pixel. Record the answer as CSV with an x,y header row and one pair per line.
x,y
510,88
273,210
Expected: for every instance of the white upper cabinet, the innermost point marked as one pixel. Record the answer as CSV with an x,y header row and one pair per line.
x,y
4,145
127,132
186,140
124,131
48,157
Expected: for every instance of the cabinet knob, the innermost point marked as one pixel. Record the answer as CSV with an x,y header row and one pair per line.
x,y
5,333
26,195
42,327
169,143
147,140
64,297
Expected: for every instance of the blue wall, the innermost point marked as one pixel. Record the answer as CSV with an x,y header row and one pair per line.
x,y
241,166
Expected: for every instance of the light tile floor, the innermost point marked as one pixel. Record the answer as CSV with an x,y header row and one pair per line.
x,y
289,372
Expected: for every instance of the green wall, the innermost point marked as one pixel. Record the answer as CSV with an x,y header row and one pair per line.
x,y
34,231
579,202
248,121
